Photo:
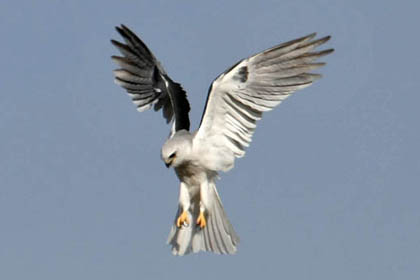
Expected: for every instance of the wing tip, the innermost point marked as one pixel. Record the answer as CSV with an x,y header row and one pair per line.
x,y
325,39
319,41
118,28
117,44
302,39
314,76
122,29
327,51
310,36
115,58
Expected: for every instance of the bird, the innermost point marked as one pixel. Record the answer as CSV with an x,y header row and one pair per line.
x,y
236,101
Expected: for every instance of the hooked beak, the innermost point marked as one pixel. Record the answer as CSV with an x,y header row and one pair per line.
x,y
168,163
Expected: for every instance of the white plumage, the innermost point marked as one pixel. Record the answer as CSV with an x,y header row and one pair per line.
x,y
236,101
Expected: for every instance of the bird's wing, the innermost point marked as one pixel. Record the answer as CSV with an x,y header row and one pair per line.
x,y
238,97
146,81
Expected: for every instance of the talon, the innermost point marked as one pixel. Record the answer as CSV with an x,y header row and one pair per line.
x,y
183,218
201,221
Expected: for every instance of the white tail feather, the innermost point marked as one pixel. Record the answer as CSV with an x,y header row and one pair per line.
x,y
217,236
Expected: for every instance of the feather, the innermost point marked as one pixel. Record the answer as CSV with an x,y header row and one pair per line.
x,y
142,75
238,97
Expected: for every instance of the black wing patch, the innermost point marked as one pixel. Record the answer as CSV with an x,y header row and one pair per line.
x,y
242,74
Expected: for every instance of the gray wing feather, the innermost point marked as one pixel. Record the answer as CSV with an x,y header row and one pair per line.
x,y
238,97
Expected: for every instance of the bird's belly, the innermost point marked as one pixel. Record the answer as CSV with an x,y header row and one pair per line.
x,y
191,174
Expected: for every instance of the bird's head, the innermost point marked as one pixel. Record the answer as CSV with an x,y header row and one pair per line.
x,y
176,149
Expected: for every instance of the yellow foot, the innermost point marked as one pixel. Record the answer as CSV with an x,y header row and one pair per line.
x,y
183,218
201,221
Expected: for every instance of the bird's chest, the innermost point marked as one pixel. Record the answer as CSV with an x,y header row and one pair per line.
x,y
191,174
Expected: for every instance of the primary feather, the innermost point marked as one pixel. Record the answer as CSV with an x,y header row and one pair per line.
x,y
146,81
239,96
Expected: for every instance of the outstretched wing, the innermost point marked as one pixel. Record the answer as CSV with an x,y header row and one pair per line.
x,y
147,82
238,97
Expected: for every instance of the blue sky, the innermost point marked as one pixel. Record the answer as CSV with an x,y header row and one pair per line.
x,y
84,194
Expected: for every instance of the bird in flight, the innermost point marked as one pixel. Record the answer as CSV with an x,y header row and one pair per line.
x,y
236,100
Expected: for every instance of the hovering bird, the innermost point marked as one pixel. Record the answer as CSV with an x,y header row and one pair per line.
x,y
236,100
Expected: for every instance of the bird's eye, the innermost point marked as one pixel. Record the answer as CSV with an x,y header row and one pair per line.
x,y
172,155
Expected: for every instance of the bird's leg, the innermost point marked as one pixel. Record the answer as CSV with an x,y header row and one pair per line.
x,y
204,203
182,219
184,204
201,220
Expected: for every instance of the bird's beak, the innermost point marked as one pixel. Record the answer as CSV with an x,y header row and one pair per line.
x,y
168,163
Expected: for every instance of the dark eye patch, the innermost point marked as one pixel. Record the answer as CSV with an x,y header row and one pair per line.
x,y
172,155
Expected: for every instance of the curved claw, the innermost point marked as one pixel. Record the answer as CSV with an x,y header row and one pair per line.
x,y
201,221
183,218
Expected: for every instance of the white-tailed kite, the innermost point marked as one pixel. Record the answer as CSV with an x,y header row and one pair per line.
x,y
236,100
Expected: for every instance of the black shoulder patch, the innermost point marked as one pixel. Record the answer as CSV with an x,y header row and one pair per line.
x,y
180,105
242,74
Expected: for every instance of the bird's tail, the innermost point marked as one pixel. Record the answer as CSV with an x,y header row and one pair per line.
x,y
217,236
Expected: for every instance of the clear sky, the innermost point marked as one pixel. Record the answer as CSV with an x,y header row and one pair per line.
x,y
84,194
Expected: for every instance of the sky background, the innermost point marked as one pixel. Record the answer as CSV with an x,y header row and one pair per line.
x,y
85,195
